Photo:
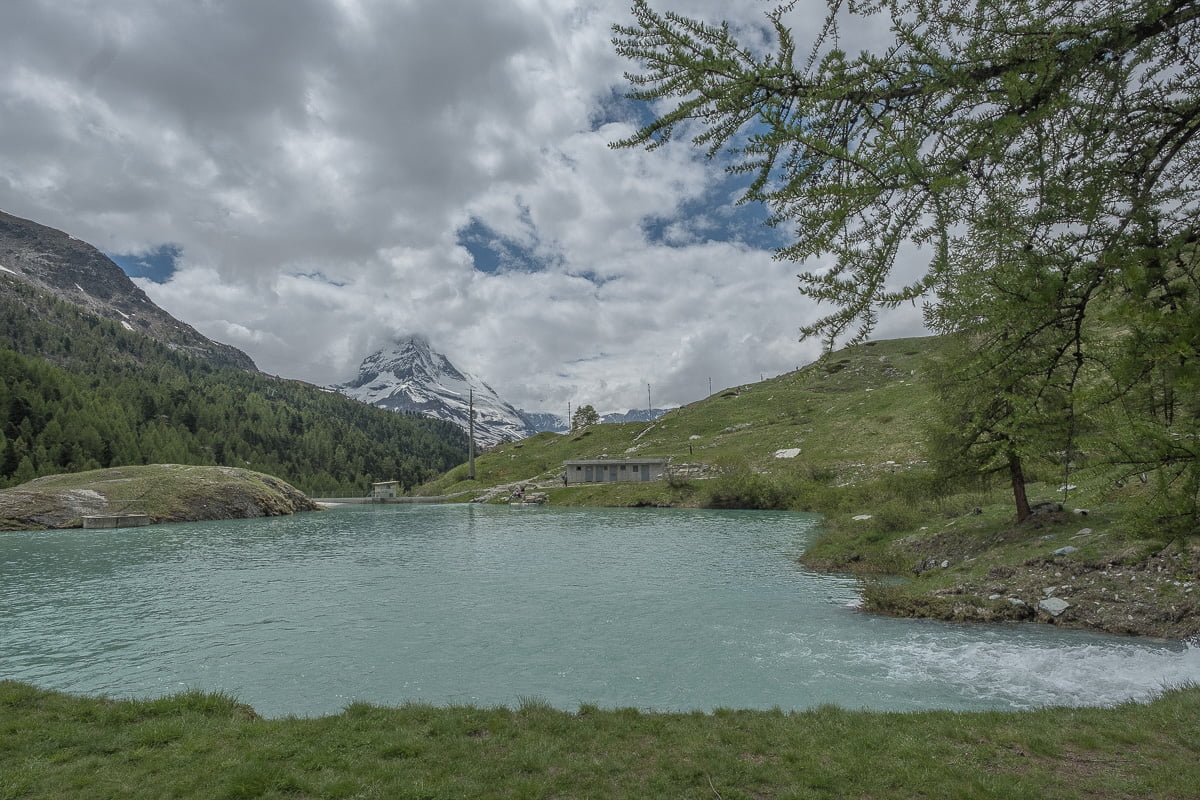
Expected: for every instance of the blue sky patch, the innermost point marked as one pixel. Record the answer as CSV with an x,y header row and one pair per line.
x,y
716,217
616,107
493,252
320,276
158,265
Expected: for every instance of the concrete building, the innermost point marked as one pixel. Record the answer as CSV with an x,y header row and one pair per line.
x,y
608,470
386,490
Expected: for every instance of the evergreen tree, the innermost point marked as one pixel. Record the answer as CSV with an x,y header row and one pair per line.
x,y
584,416
1043,154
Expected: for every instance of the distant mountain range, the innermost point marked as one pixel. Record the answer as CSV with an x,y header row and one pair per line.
x,y
634,415
409,375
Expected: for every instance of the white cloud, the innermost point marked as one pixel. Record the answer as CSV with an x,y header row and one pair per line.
x,y
316,162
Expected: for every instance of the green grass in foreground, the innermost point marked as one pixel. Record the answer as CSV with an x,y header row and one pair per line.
x,y
201,745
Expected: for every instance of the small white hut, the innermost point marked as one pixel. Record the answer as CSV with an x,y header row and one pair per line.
x,y
385,490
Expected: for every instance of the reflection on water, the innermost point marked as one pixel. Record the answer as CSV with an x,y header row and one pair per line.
x,y
655,609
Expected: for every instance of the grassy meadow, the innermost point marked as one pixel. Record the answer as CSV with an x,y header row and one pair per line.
x,y
856,414
198,745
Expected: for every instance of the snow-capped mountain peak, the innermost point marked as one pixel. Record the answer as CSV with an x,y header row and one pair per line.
x,y
411,376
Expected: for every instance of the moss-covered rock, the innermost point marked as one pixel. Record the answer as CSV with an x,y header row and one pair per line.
x,y
164,492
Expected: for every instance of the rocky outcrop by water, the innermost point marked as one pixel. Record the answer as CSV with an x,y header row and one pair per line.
x,y
164,492
1126,591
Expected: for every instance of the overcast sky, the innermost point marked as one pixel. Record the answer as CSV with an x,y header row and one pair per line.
x,y
306,179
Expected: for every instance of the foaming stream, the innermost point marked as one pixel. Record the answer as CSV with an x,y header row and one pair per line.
x,y
1020,667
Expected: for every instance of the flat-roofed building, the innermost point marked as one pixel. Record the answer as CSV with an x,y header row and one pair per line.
x,y
610,470
385,490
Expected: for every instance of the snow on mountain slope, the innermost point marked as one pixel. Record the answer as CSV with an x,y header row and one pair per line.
x,y
411,376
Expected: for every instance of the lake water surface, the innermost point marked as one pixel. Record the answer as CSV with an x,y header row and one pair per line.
x,y
669,610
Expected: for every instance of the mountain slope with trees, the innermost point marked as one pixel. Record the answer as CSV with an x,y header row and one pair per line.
x,y
81,392
76,272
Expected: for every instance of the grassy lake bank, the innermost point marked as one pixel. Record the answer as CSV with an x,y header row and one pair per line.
x,y
210,746
844,437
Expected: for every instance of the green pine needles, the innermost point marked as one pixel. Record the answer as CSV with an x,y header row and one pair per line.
x,y
1027,169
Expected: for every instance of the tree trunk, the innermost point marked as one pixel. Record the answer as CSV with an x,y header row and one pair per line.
x,y
1018,486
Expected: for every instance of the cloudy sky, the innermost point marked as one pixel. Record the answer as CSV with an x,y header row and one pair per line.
x,y
306,179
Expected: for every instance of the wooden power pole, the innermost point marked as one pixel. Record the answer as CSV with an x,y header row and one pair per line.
x,y
471,440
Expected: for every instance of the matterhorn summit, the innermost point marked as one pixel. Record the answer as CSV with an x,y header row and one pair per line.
x,y
410,376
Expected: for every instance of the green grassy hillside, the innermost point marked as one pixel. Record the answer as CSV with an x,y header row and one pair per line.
x,y
854,415
854,425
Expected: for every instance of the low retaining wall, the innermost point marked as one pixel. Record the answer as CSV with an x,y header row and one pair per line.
x,y
116,521
379,500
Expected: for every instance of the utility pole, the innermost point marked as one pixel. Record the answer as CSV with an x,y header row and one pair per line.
x,y
649,405
471,439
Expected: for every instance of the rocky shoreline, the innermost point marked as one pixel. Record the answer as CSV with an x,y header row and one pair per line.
x,y
1085,580
1146,599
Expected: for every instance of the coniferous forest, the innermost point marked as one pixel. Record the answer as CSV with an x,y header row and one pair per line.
x,y
80,392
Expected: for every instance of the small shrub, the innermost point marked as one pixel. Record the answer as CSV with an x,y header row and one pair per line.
x,y
739,487
678,481
897,516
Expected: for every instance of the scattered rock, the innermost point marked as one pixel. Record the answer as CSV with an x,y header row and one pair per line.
x,y
1054,606
1066,551
790,452
860,517
926,565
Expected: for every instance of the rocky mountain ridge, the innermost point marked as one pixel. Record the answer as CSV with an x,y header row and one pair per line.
x,y
76,272
410,376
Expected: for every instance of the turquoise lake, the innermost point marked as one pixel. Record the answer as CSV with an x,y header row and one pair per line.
x,y
658,609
